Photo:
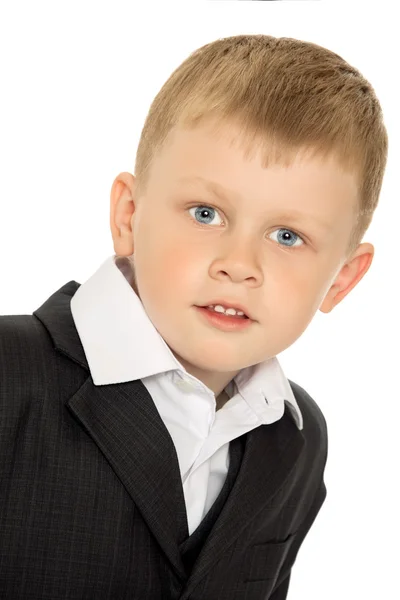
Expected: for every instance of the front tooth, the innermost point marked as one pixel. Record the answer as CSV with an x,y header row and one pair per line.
x,y
219,308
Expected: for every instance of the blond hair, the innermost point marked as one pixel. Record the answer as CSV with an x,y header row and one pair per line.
x,y
288,95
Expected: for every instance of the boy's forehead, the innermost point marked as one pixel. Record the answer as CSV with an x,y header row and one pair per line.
x,y
198,157
212,135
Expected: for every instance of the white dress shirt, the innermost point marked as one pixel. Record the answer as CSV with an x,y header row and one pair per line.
x,y
121,344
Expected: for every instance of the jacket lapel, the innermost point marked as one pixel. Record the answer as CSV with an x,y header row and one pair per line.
x,y
124,423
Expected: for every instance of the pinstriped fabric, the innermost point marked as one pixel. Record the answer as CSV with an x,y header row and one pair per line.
x,y
56,486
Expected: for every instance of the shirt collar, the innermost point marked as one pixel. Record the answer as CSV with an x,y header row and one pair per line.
x,y
121,343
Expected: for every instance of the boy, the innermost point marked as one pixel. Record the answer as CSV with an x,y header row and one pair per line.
x,y
150,444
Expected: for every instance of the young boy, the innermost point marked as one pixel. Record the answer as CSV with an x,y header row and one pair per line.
x,y
150,443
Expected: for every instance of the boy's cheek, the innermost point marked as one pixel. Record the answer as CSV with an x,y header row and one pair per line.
x,y
176,273
181,263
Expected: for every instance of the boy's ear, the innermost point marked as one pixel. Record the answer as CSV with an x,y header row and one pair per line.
x,y
350,274
122,208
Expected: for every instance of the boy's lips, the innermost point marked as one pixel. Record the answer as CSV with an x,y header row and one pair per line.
x,y
229,304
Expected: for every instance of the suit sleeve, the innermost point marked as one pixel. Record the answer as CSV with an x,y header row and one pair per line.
x,y
281,588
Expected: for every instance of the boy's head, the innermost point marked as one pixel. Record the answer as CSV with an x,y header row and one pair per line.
x,y
257,174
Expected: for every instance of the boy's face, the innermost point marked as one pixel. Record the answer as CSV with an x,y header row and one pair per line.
x,y
240,249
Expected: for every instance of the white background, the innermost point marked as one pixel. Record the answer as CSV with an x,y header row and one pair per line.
x,y
77,79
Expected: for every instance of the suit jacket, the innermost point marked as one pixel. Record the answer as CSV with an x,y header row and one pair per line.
x,y
90,487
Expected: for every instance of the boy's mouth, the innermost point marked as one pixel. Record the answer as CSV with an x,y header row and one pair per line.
x,y
223,306
219,312
225,322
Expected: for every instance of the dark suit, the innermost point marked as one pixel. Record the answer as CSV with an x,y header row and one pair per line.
x,y
91,499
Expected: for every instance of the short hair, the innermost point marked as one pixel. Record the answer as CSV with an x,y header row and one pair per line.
x,y
287,95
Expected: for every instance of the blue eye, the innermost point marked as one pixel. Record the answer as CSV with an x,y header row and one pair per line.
x,y
206,214
288,233
204,210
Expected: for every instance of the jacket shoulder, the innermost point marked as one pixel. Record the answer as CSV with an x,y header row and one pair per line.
x,y
315,431
313,416
20,338
27,362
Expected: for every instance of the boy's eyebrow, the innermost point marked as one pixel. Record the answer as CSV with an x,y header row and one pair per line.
x,y
218,190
